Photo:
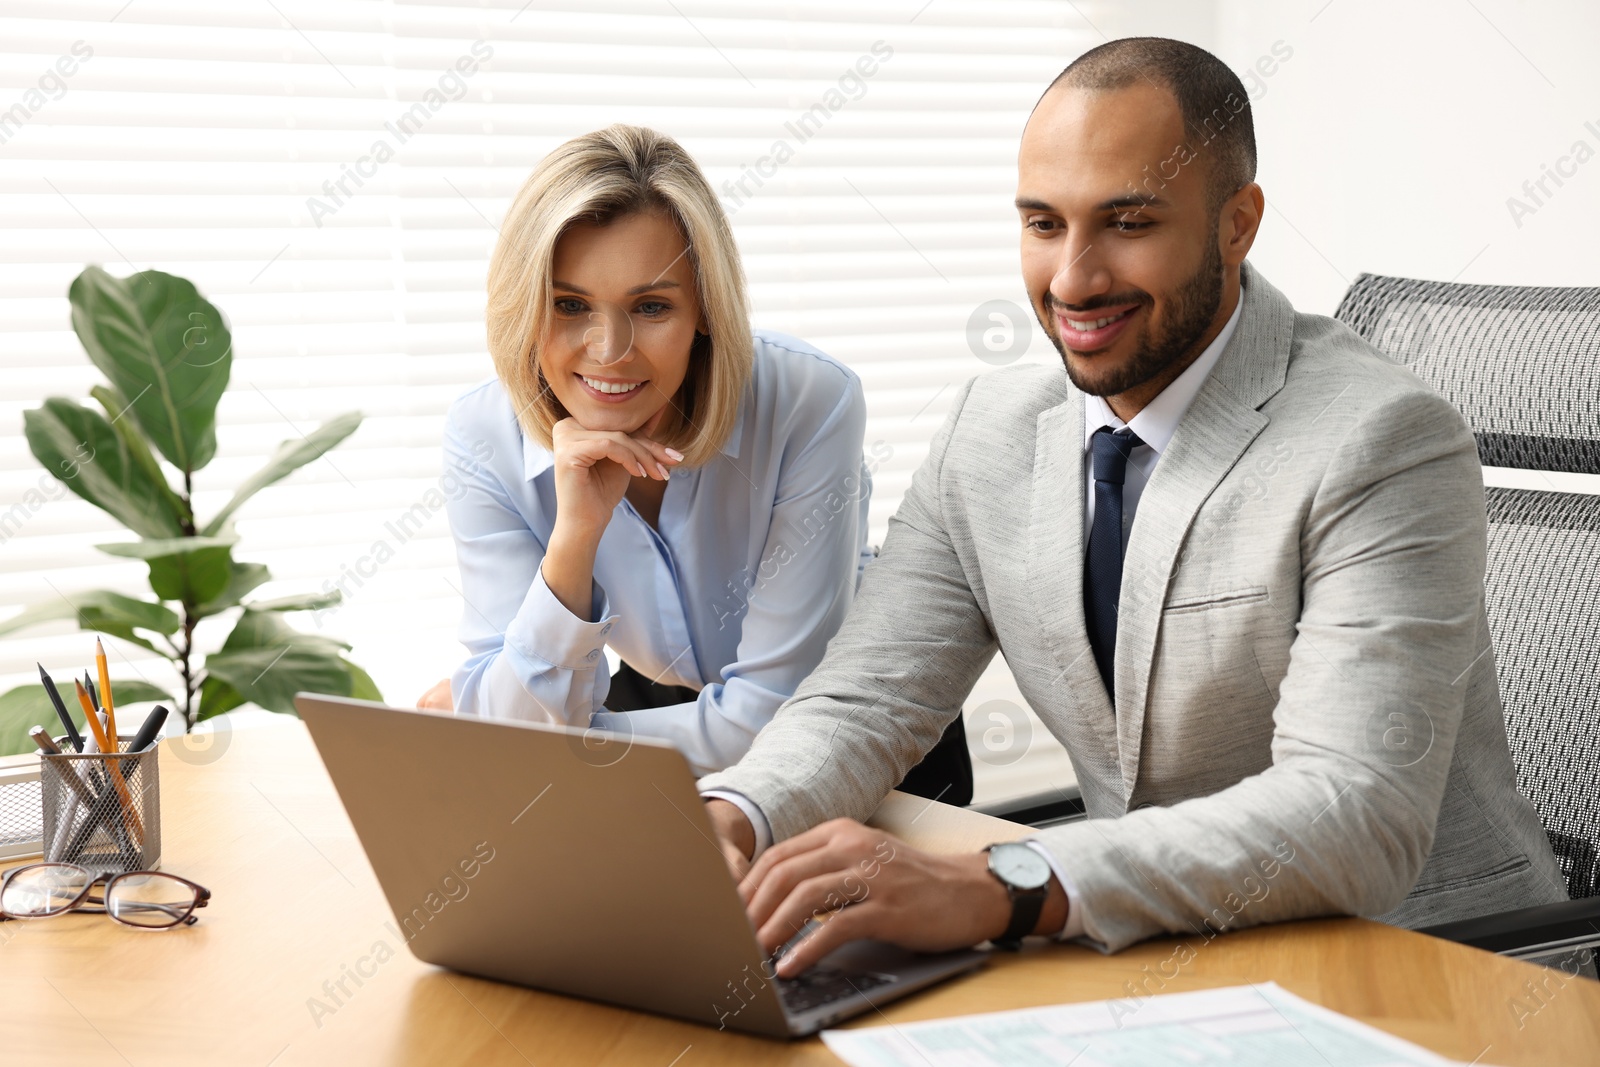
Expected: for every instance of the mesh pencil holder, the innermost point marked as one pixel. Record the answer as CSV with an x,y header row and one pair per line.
x,y
102,811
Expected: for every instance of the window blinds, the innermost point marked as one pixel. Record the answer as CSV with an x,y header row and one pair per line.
x,y
331,174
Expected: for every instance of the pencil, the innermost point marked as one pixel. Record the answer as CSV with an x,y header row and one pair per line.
x,y
136,826
61,709
105,692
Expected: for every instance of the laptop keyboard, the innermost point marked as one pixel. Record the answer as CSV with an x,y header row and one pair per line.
x,y
824,985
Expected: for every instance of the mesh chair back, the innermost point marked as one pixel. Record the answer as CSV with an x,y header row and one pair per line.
x,y
1523,366
1521,363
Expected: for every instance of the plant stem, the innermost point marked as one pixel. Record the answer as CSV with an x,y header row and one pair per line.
x,y
184,652
189,619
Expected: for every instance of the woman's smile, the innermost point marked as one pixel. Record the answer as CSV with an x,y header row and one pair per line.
x,y
611,390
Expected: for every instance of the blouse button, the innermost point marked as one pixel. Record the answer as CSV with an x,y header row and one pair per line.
x,y
593,655
605,629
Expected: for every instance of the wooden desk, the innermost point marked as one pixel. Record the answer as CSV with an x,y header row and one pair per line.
x,y
296,906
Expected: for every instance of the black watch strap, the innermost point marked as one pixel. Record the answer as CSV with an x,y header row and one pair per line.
x,y
1025,909
1027,898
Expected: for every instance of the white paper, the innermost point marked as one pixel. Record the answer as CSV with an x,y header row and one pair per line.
x,y
1239,1026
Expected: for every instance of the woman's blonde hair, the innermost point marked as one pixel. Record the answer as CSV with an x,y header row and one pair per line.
x,y
597,178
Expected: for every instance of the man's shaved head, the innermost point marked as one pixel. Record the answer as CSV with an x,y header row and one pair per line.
x,y
1138,204
1211,98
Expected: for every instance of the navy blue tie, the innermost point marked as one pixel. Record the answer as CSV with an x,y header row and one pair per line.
x,y
1102,572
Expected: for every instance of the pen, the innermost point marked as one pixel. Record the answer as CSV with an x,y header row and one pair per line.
x,y
42,738
46,743
148,729
108,818
105,808
105,691
61,710
94,694
109,746
97,776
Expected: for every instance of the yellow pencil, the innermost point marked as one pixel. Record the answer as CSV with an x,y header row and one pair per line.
x,y
136,825
105,693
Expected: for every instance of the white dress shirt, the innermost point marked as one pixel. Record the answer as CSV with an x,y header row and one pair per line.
x,y
1155,424
736,591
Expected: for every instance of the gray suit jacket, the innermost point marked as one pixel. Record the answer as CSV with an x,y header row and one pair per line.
x,y
1307,719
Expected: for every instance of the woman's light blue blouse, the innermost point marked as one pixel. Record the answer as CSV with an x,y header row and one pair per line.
x,y
755,562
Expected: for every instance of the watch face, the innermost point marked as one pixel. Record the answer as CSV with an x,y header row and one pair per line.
x,y
1019,866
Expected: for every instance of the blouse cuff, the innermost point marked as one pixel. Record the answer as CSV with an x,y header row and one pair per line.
x,y
544,630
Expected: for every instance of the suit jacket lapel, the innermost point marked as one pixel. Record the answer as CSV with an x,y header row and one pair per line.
x,y
1055,579
1220,424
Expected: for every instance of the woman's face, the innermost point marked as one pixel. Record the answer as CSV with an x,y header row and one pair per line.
x,y
624,311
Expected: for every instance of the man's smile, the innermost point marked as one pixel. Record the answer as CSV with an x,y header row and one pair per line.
x,y
1094,330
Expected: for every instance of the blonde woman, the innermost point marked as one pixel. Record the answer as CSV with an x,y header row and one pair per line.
x,y
644,472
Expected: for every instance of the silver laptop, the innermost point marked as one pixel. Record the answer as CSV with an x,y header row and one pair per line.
x,y
576,863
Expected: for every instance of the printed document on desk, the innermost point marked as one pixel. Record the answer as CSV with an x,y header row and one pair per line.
x,y
1238,1026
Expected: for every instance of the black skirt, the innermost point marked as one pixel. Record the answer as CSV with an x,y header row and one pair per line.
x,y
632,691
945,773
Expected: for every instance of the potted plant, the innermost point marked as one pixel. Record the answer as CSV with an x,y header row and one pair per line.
x,y
167,353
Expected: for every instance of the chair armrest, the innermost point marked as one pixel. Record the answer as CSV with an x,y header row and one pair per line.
x,y
1536,931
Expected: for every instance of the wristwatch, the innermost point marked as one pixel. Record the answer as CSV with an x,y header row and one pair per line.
x,y
1026,876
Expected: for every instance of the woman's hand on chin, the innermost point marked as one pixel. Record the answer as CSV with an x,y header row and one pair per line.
x,y
593,469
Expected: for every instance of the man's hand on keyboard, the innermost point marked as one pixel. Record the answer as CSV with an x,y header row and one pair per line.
x,y
876,886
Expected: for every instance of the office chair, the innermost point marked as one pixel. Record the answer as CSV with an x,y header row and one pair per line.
x,y
945,773
1523,365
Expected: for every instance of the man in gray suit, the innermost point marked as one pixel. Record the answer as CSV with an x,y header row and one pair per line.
x,y
1233,556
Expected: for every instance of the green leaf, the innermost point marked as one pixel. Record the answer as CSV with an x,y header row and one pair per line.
x,y
129,635
362,687
50,611
262,629
271,677
243,578
298,602
152,547
78,446
117,615
102,610
267,661
290,456
116,406
28,706
216,697
21,709
165,346
193,577
192,570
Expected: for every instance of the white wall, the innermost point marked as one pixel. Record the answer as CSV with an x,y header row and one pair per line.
x,y
1392,136
1392,139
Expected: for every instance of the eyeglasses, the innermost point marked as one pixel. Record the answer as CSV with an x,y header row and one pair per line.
x,y
148,900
